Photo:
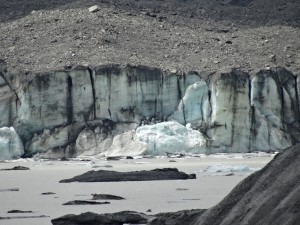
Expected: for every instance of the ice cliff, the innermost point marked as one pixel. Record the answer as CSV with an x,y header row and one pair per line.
x,y
116,110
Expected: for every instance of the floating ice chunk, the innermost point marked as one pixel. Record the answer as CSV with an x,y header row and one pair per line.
x,y
227,156
229,168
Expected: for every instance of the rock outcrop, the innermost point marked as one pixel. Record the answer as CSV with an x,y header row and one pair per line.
x,y
104,110
269,196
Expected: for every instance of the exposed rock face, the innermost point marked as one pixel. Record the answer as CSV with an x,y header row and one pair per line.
x,y
119,218
177,218
269,196
103,110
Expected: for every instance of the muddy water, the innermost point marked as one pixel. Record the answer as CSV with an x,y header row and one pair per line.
x,y
159,196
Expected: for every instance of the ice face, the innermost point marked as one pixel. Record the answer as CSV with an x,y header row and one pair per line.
x,y
11,145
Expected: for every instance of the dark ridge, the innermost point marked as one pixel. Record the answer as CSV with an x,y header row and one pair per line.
x,y
69,101
91,73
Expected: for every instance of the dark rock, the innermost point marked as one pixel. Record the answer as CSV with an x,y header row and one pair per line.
x,y
64,159
182,189
114,176
21,217
106,197
9,189
18,168
18,211
112,158
175,155
90,218
48,193
129,157
229,174
84,202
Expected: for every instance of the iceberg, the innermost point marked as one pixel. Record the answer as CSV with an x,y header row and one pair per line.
x,y
170,137
11,146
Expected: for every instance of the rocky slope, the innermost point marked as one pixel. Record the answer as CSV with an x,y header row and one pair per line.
x,y
270,196
201,35
115,110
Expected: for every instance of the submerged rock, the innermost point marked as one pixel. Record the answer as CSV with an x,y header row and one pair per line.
x,y
48,193
21,217
9,189
18,211
114,176
18,168
106,197
83,202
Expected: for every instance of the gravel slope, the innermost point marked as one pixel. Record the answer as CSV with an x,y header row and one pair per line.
x,y
182,35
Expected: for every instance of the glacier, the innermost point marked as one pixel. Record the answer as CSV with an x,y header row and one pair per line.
x,y
133,110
